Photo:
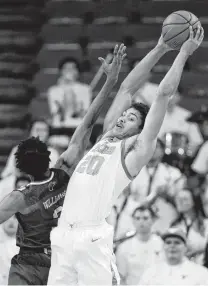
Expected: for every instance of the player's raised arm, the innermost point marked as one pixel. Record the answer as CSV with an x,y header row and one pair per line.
x,y
145,143
132,83
81,135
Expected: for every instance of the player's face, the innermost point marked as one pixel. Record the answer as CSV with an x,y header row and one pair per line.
x,y
41,130
184,201
143,221
174,249
128,124
70,72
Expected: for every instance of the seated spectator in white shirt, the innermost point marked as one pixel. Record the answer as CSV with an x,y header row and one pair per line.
x,y
141,250
39,129
69,99
192,220
8,247
176,269
153,179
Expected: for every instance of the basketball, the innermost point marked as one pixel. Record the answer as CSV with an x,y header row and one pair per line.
x,y
175,28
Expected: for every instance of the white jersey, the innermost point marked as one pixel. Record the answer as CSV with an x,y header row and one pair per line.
x,y
96,183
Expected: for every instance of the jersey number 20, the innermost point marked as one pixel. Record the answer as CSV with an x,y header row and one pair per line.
x,y
91,165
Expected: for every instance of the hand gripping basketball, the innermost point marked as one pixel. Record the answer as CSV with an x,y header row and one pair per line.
x,y
194,41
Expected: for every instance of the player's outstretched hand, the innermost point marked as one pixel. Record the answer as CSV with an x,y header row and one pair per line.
x,y
112,70
193,42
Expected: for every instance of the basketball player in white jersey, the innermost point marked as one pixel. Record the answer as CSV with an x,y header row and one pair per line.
x,y
82,242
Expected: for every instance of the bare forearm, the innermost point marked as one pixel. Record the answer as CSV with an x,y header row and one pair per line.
x,y
136,77
93,112
170,83
166,88
97,104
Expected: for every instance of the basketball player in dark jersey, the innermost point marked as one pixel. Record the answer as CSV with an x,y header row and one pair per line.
x,y
37,206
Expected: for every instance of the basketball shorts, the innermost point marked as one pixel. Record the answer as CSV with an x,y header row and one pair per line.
x,y
29,268
82,255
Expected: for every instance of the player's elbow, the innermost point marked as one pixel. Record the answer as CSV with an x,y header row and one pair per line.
x,y
126,89
166,90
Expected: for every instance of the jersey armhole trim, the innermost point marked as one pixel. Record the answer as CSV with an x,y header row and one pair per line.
x,y
42,182
123,160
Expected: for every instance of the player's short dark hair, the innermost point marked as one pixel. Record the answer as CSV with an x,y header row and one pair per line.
x,y
145,208
69,60
143,110
32,157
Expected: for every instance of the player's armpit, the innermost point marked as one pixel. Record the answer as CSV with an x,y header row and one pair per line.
x,y
11,204
138,155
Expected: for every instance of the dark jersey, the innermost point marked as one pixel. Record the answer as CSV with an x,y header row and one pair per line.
x,y
44,202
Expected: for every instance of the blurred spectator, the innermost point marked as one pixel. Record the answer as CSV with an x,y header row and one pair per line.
x,y
200,164
176,269
141,250
206,256
39,129
193,221
175,118
69,99
156,183
8,247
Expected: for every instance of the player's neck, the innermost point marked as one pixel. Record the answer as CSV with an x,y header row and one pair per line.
x,y
109,135
43,177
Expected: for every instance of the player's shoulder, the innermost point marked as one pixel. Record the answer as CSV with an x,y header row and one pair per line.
x,y
23,189
60,175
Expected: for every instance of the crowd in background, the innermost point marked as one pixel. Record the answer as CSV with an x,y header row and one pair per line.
x,y
161,218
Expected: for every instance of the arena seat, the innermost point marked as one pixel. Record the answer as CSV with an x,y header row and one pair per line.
x,y
113,33
49,56
68,8
12,133
20,22
61,33
164,8
16,94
